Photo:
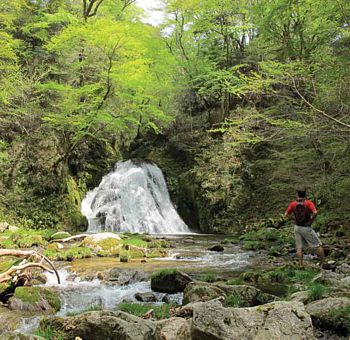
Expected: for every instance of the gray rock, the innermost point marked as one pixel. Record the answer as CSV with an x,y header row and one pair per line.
x,y
103,325
217,247
145,297
203,291
173,329
277,320
344,268
127,276
302,296
322,308
3,226
323,313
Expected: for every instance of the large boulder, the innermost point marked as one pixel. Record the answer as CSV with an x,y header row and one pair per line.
x,y
103,325
9,320
169,281
35,299
104,244
125,276
331,313
246,295
173,329
277,320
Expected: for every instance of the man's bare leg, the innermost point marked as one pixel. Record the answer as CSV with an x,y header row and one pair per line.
x,y
320,254
300,256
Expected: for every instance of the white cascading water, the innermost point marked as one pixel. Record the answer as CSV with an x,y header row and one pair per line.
x,y
132,198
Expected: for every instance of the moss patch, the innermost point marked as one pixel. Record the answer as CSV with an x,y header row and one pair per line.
x,y
138,309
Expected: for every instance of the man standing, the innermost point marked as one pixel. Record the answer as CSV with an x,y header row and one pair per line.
x,y
304,213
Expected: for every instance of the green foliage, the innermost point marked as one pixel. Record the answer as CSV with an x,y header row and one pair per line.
x,y
137,309
164,272
234,300
340,320
207,277
290,274
317,291
50,334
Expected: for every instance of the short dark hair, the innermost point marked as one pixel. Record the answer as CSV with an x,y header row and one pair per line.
x,y
301,192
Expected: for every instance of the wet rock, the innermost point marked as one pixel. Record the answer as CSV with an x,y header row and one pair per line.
x,y
103,325
35,299
171,281
173,329
277,320
248,295
127,276
145,297
217,247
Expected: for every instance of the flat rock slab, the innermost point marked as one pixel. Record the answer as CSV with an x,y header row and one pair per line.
x,y
277,320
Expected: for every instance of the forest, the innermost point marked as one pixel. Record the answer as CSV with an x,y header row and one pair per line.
x,y
237,102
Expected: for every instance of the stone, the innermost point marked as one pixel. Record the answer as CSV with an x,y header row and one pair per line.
x,y
103,244
145,297
302,296
60,235
321,309
249,295
217,247
170,281
35,299
3,226
273,321
324,313
127,276
103,325
344,268
173,329
13,228
20,336
9,320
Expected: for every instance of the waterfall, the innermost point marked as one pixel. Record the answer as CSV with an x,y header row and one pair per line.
x,y
132,198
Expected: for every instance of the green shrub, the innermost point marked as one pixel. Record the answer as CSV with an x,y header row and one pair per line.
x,y
207,277
341,320
234,300
316,291
50,334
236,281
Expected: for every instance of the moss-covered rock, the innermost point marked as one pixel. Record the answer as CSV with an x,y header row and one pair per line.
x,y
35,299
60,235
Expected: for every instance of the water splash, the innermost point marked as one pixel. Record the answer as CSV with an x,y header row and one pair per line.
x,y
132,198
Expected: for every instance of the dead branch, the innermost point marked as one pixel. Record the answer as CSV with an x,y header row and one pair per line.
x,y
26,254
6,276
339,122
71,238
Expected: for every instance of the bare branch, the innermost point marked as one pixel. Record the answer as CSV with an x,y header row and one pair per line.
x,y
339,122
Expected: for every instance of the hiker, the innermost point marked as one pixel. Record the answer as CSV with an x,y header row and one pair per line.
x,y
304,213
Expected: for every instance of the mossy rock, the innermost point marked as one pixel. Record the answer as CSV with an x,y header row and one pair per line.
x,y
31,241
155,253
35,299
60,235
105,247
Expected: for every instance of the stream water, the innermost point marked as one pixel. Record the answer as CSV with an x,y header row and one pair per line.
x,y
190,254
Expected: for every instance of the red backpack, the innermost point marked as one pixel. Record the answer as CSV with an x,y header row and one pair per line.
x,y
302,214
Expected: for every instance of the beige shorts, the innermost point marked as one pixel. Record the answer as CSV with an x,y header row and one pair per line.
x,y
306,237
